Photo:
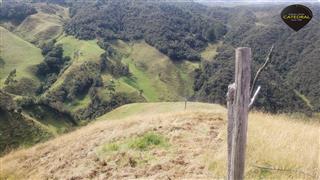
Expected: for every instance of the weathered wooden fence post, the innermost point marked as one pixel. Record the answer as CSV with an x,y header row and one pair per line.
x,y
230,99
238,102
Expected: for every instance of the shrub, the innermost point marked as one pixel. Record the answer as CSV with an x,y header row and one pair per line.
x,y
53,62
144,142
24,87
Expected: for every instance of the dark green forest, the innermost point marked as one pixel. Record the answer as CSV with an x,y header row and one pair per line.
x,y
293,69
15,11
175,31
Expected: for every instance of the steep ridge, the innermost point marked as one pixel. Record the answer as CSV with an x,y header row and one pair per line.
x,y
18,130
75,155
162,140
27,126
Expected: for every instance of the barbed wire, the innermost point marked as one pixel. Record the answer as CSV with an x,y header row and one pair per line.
x,y
282,169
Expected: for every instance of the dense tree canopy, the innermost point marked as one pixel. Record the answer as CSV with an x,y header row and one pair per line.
x,y
294,65
174,30
15,11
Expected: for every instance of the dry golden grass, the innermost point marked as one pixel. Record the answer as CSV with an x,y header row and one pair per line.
x,y
287,147
279,147
45,25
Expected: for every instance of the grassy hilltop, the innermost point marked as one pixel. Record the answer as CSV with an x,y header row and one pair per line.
x,y
159,140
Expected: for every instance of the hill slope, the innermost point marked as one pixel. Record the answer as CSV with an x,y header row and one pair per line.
x,y
151,75
293,69
154,73
17,130
173,28
45,25
24,127
18,54
161,140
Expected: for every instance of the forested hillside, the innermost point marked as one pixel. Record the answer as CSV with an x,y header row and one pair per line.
x,y
291,81
173,30
15,11
183,30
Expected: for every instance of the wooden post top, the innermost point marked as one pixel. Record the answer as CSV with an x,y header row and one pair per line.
x,y
243,48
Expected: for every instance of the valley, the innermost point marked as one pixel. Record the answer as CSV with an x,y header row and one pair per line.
x,y
153,75
97,90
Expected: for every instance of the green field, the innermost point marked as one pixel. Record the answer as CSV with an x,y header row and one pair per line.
x,y
140,80
120,83
18,54
79,103
160,78
211,51
80,50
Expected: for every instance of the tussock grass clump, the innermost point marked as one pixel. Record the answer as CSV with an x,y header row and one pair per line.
x,y
145,142
133,151
148,140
